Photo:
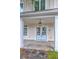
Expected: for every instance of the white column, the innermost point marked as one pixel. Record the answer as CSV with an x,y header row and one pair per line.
x,y
56,33
21,33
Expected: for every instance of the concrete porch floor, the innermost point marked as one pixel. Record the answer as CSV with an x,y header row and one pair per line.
x,y
39,45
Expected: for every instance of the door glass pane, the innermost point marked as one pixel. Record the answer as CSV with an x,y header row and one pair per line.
x,y
44,31
38,31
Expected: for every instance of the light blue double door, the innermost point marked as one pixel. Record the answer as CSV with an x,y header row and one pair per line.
x,y
41,34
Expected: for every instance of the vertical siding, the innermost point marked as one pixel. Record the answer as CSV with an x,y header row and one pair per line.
x,y
50,32
49,4
28,5
31,32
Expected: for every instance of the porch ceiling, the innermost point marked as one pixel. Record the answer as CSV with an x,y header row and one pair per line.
x,y
43,20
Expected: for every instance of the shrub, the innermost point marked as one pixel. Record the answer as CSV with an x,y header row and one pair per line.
x,y
52,55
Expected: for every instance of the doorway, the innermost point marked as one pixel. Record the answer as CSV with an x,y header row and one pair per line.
x,y
41,33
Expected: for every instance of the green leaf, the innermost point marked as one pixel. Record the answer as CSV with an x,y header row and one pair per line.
x,y
52,55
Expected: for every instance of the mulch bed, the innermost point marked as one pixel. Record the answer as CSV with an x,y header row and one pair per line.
x,y
27,53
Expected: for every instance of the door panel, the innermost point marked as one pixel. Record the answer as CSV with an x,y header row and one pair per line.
x,y
38,33
41,33
44,36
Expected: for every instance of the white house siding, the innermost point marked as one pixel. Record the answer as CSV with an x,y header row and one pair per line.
x,y
49,4
50,32
31,32
28,5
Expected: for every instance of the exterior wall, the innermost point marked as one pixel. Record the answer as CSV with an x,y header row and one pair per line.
x,y
49,4
31,31
28,5
50,32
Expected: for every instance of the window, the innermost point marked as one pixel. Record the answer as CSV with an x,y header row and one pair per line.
x,y
38,4
21,7
25,29
42,4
